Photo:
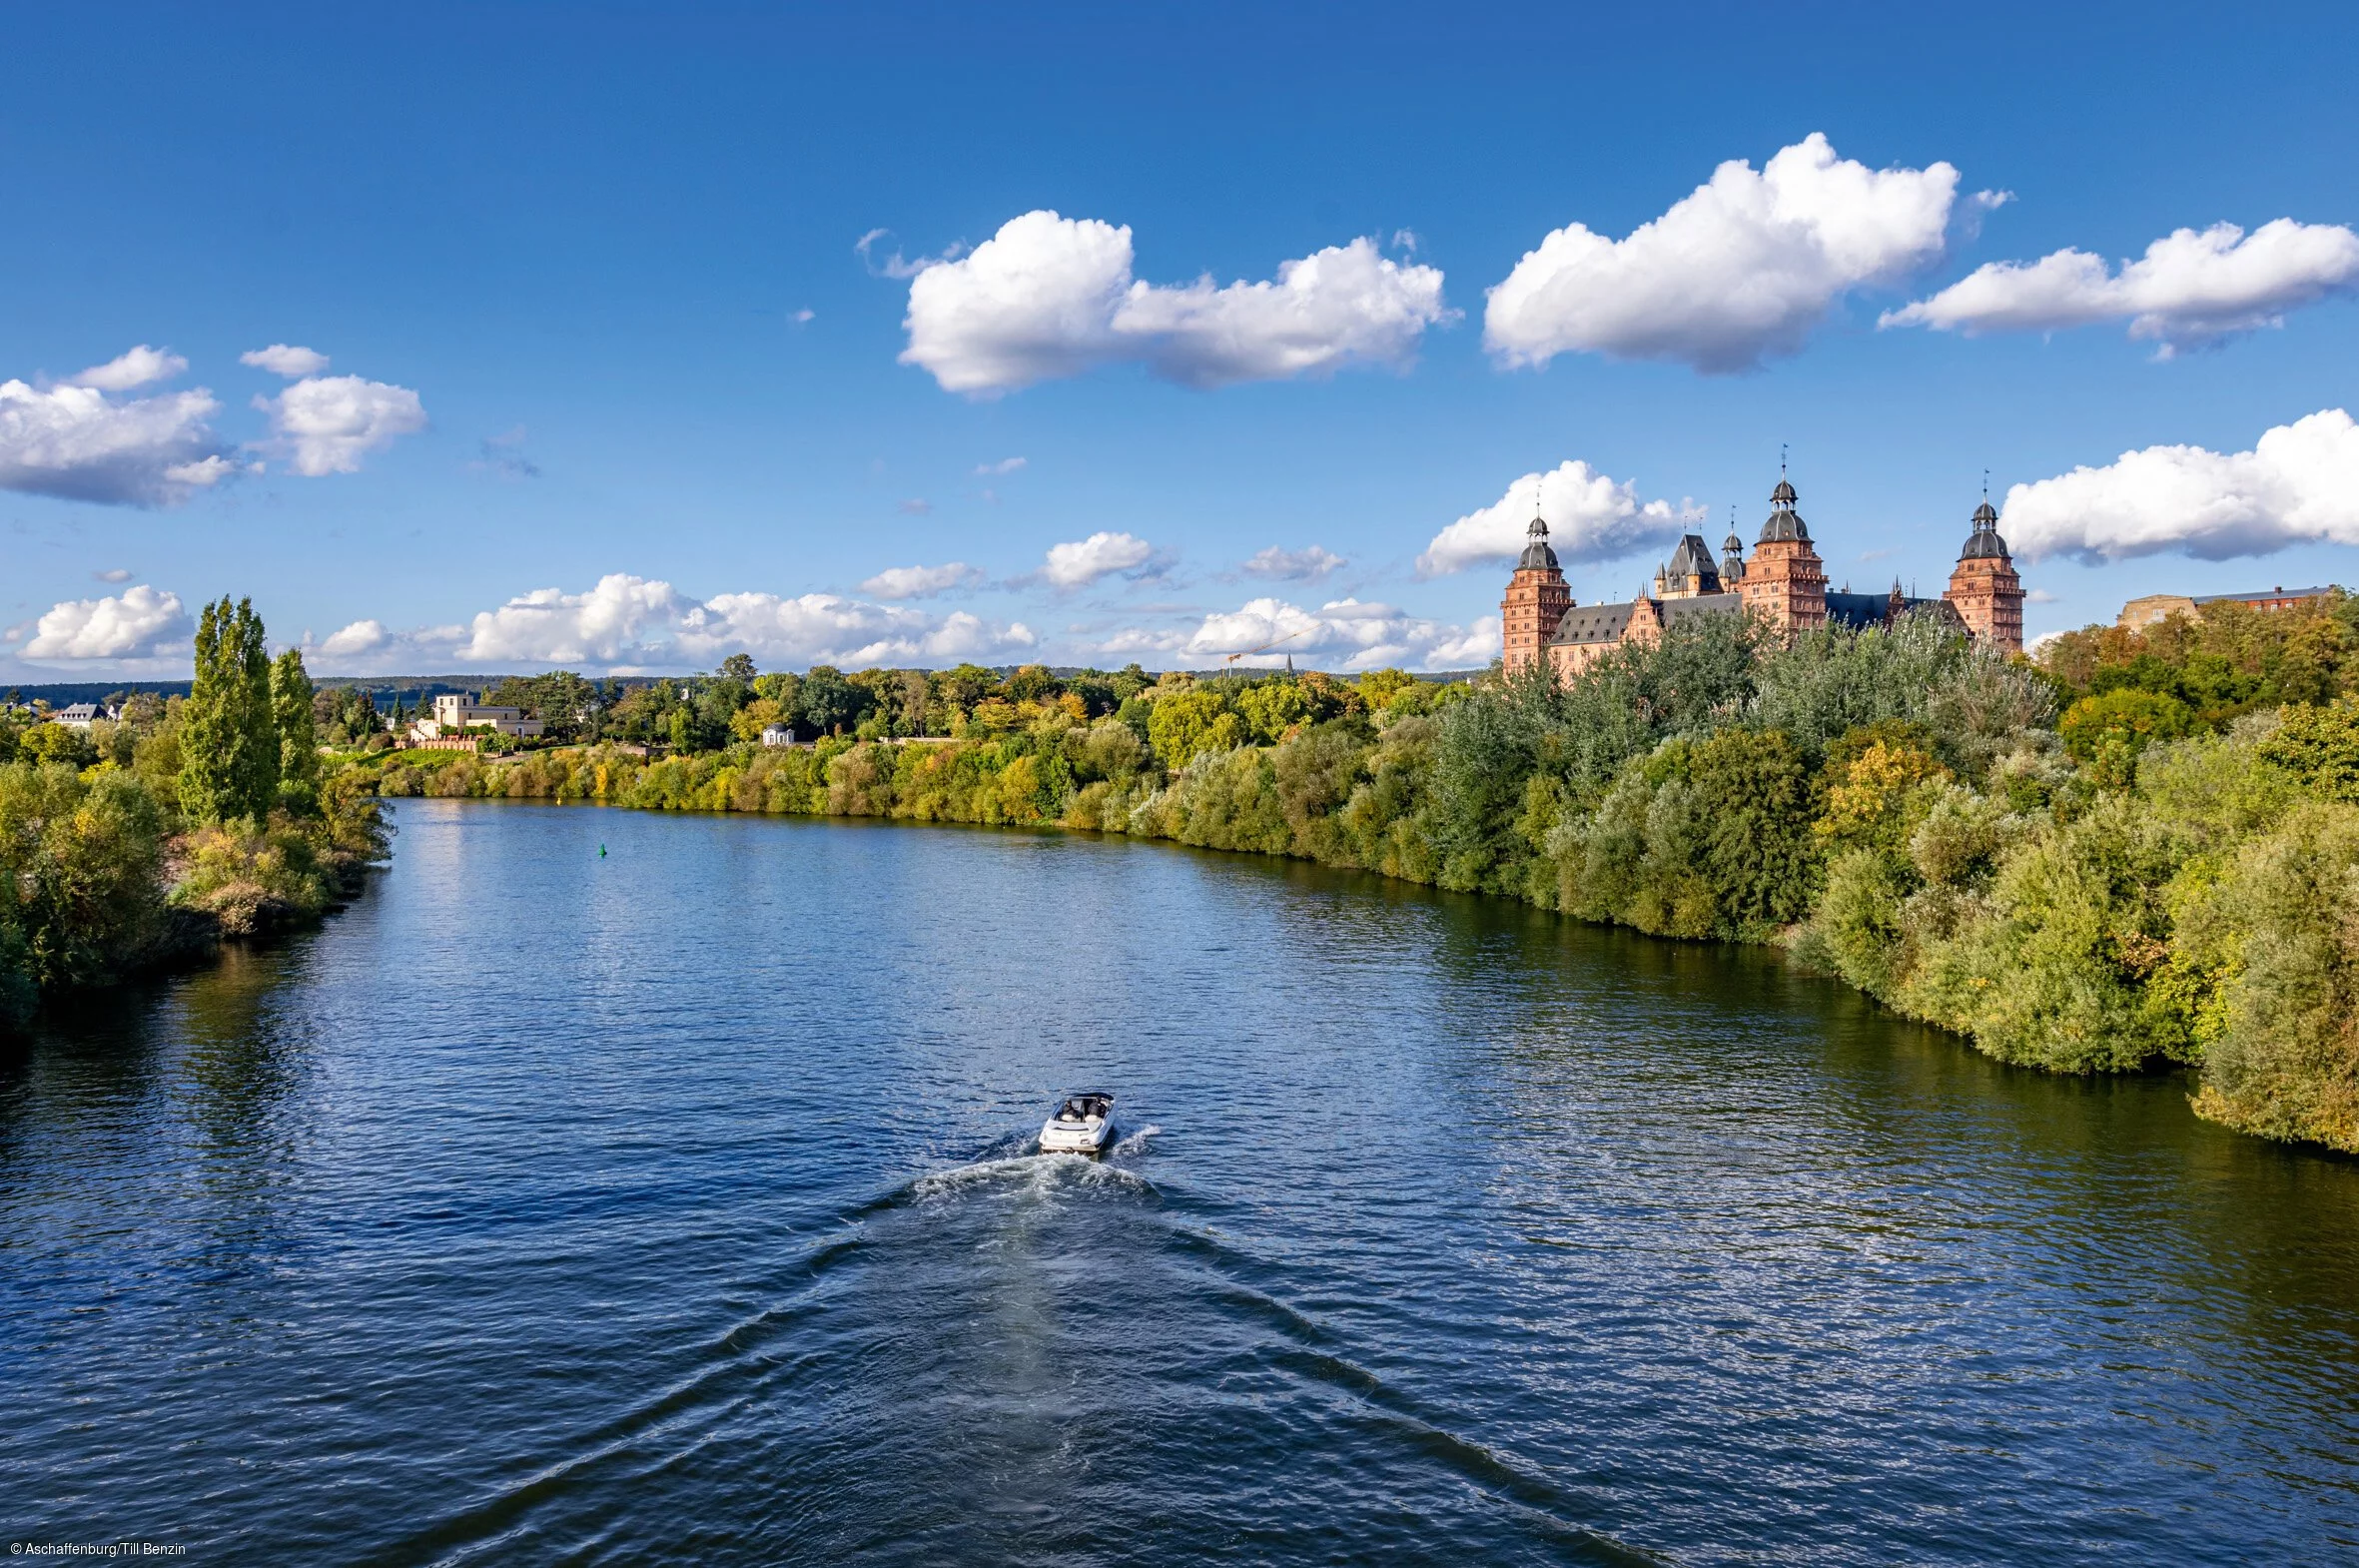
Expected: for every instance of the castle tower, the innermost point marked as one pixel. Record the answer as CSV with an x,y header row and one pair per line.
x,y
1731,559
1690,573
1536,600
1785,582
1985,587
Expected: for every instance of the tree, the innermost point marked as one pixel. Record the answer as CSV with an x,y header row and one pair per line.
x,y
738,667
228,738
1192,719
828,702
299,737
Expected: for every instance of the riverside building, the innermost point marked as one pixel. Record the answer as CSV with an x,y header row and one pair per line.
x,y
1783,584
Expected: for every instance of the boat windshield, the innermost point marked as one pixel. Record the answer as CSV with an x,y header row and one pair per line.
x,y
1079,1110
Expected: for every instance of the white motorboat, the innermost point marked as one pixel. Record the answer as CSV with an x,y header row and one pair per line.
x,y
1083,1125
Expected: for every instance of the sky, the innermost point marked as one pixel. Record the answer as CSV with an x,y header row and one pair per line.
x,y
625,337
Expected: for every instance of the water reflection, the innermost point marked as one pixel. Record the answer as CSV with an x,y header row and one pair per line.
x,y
547,1200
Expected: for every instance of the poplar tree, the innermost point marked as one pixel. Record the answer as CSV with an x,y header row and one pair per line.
x,y
299,736
228,738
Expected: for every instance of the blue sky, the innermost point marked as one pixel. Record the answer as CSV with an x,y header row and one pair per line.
x,y
558,261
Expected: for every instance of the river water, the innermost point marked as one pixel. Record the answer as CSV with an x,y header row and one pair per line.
x,y
676,1205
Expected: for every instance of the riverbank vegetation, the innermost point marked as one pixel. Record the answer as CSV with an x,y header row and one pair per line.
x,y
143,839
2140,851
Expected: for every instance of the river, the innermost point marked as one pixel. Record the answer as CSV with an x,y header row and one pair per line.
x,y
674,1204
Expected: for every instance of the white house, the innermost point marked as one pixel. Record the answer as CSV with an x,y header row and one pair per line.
x,y
457,713
778,735
79,715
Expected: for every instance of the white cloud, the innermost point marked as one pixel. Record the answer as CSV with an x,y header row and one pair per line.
x,y
113,574
1303,566
1344,632
803,316
1079,562
132,367
325,425
917,506
140,622
627,622
2190,287
609,624
80,443
1591,517
921,582
825,628
1740,268
285,359
2299,484
1049,297
1004,465
362,637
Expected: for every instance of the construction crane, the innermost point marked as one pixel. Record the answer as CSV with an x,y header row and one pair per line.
x,y
1228,663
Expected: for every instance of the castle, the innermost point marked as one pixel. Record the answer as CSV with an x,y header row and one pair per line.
x,y
1783,584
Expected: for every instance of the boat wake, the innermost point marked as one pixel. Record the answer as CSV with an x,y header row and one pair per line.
x,y
1033,1175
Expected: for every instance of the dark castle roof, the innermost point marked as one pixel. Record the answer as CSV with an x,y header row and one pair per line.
x,y
1984,543
1859,611
1677,610
1609,622
1692,558
1784,523
1537,556
1593,623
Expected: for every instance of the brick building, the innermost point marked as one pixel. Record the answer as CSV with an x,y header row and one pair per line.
x,y
1783,584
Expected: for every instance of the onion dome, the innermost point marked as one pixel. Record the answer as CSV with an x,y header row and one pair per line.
x,y
1537,556
1984,543
1784,523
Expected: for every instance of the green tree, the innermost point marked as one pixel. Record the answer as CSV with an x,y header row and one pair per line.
x,y
738,667
228,738
299,738
2130,718
2319,746
1191,720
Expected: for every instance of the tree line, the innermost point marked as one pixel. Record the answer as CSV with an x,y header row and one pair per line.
x,y
2140,852
146,838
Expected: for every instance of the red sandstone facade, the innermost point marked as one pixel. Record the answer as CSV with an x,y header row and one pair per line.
x,y
1985,587
1536,600
1783,584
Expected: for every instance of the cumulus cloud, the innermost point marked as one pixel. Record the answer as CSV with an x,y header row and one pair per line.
x,y
362,637
1344,632
1304,565
2299,484
80,443
140,622
1004,465
922,582
132,367
1740,270
1591,517
627,622
2190,288
1050,297
113,574
285,359
609,624
326,425
827,628
1079,562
